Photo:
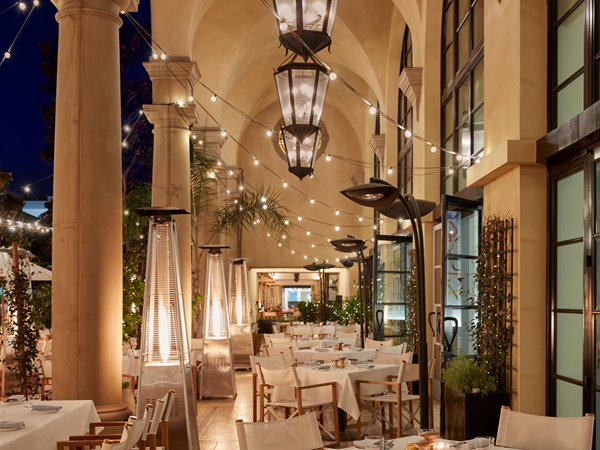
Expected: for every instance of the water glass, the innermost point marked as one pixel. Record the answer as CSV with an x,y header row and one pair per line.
x,y
484,442
374,442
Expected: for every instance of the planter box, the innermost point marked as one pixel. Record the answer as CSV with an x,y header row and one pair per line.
x,y
471,415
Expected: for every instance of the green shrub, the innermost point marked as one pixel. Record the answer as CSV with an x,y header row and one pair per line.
x,y
466,375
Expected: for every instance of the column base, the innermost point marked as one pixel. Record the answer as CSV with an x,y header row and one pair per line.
x,y
112,413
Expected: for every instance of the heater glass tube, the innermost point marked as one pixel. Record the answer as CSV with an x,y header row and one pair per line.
x,y
215,303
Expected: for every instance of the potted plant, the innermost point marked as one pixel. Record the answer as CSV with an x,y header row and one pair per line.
x,y
476,387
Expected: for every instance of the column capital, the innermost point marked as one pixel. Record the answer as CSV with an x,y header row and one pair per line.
x,y
377,143
170,116
409,83
172,81
70,7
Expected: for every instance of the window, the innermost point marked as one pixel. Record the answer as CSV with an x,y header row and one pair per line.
x,y
405,118
462,91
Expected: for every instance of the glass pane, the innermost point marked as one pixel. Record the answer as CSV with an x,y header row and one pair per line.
x,y
478,130
463,318
477,22
462,175
570,45
597,207
569,207
321,92
283,89
287,10
569,399
597,324
569,345
449,65
463,232
448,161
562,6
463,44
331,19
313,14
569,276
463,101
448,119
597,281
464,141
449,185
303,84
449,30
478,83
570,101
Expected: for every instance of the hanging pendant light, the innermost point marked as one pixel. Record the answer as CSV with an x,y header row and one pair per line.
x,y
311,20
302,88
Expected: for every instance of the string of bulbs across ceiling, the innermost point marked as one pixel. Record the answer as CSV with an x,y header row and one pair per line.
x,y
22,6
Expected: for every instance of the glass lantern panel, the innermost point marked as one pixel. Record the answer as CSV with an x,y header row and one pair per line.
x,y
307,150
216,313
332,12
283,89
320,100
287,10
290,147
303,88
313,14
316,147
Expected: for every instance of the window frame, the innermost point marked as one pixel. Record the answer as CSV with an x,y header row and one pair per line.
x,y
406,119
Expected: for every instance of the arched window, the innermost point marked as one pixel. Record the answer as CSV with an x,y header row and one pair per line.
x,y
405,118
462,90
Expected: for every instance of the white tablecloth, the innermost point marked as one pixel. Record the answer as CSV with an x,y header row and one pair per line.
x,y
43,431
400,443
346,385
326,342
131,366
328,356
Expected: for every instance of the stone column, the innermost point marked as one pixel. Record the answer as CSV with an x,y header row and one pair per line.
x,y
172,82
87,255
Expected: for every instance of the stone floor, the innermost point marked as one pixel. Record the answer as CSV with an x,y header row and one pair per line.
x,y
216,417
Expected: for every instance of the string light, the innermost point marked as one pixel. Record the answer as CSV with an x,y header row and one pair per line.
x,y
163,56
230,172
407,134
190,99
256,162
332,75
155,55
27,189
285,184
308,233
287,222
269,133
328,158
360,219
263,199
312,201
36,3
265,206
299,218
127,128
372,110
213,98
241,188
451,171
433,149
22,5
223,133
337,212
390,171
337,228
458,157
7,55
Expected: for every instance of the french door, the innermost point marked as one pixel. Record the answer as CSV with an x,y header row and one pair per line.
x,y
574,286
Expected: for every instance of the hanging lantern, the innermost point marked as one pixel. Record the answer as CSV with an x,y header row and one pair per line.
x,y
165,355
239,313
218,377
302,88
311,20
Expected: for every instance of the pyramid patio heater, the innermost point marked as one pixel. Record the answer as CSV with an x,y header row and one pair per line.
x,y
164,354
217,372
239,313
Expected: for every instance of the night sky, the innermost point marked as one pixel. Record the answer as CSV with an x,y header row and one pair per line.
x,y
21,93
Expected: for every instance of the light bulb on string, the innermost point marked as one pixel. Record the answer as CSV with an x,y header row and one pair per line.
x,y
213,98
269,133
265,206
263,199
223,133
228,191
293,251
360,219
141,111
200,142
194,136
328,158
313,245
7,55
36,2
459,157
372,110
127,128
407,133
256,162
308,233
155,55
390,171
287,222
241,188
279,244
268,234
283,236
190,99
285,184
180,103
433,149
299,218
230,172
124,144
337,212
22,5
332,76
381,221
477,160
451,171
374,227
312,201
337,228
163,56
27,189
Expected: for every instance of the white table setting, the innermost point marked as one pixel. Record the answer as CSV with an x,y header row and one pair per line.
x,y
327,342
345,380
439,444
41,424
328,355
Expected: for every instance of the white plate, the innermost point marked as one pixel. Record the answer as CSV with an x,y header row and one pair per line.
x,y
10,429
46,412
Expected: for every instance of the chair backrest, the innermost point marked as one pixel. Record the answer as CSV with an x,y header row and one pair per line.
x,y
530,432
327,329
342,335
344,329
159,410
268,337
297,433
281,340
281,377
136,430
276,328
431,368
408,372
288,354
148,417
394,348
305,330
388,343
270,362
391,358
372,344
291,344
123,444
170,398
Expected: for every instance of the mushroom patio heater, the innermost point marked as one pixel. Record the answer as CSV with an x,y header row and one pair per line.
x,y
218,377
302,88
239,313
382,195
164,355
311,20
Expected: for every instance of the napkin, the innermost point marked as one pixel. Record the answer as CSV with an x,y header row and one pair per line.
x,y
324,366
15,399
9,425
356,349
321,349
45,408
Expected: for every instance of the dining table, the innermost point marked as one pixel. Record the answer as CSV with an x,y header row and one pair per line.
x,y
131,365
327,342
345,380
42,430
328,355
401,443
